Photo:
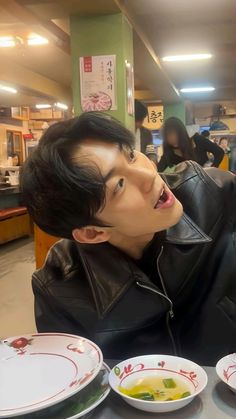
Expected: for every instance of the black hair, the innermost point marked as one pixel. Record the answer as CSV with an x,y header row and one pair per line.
x,y
206,133
184,141
63,192
140,110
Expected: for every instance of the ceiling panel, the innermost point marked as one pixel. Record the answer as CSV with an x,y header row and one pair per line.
x,y
184,26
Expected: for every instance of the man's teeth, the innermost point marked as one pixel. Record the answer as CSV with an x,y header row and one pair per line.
x,y
160,200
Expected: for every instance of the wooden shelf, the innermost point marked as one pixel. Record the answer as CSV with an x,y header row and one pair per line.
x,y
233,115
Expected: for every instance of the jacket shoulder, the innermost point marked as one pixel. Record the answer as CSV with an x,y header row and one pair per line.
x,y
190,172
207,195
62,261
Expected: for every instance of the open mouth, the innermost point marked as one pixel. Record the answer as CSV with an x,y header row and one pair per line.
x,y
165,200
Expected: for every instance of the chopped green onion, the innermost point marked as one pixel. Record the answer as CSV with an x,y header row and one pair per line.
x,y
143,396
169,383
186,394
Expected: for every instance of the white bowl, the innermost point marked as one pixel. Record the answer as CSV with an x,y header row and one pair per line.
x,y
226,370
167,366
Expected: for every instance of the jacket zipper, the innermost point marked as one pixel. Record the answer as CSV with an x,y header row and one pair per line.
x,y
170,313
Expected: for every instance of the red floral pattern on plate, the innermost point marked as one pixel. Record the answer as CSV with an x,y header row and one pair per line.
x,y
20,344
161,366
74,348
82,380
229,372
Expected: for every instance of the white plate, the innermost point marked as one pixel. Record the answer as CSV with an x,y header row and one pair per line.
x,y
105,390
40,370
80,404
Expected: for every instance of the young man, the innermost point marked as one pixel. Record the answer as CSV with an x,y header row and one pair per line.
x,y
136,274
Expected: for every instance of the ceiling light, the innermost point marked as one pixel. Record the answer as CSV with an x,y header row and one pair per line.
x,y
61,106
8,89
186,57
36,40
43,106
197,89
7,41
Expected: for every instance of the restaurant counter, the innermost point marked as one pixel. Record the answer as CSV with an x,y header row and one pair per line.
x,y
14,218
215,402
9,196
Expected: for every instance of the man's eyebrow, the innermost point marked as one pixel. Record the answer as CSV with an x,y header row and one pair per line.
x,y
109,175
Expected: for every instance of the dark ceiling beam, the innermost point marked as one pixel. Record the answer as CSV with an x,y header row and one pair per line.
x,y
45,28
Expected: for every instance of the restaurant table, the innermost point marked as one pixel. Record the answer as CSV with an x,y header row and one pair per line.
x,y
217,401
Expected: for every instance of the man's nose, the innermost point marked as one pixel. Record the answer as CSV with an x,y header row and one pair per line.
x,y
144,179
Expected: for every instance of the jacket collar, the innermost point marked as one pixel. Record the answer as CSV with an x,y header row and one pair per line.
x,y
110,272
186,232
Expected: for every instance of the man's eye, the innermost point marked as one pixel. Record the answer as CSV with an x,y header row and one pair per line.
x,y
119,185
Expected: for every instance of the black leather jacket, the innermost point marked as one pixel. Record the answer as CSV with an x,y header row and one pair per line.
x,y
99,292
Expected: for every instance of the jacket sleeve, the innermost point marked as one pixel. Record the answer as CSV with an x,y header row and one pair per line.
x,y
162,164
213,148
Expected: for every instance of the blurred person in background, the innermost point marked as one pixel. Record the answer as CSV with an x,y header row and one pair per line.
x,y
224,144
15,160
179,147
143,136
206,134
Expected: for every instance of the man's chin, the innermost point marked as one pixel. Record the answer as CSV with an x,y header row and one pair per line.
x,y
174,215
177,214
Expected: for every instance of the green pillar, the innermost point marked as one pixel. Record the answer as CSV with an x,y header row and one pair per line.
x,y
103,35
175,109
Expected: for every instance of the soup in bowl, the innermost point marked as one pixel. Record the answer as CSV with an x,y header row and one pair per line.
x,y
158,383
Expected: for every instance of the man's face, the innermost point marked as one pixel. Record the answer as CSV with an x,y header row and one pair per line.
x,y
134,205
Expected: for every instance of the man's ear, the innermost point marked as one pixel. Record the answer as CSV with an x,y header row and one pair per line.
x,y
91,234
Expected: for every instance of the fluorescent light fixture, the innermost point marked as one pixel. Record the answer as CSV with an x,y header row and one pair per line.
x,y
7,41
36,40
43,106
8,89
186,57
61,106
197,89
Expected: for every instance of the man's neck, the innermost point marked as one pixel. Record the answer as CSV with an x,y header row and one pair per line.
x,y
132,246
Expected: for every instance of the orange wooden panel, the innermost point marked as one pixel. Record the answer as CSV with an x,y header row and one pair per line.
x,y
14,228
43,242
224,165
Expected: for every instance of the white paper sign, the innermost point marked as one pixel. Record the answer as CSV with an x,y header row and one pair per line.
x,y
98,83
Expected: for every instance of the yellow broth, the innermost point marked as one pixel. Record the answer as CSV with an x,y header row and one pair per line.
x,y
156,388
